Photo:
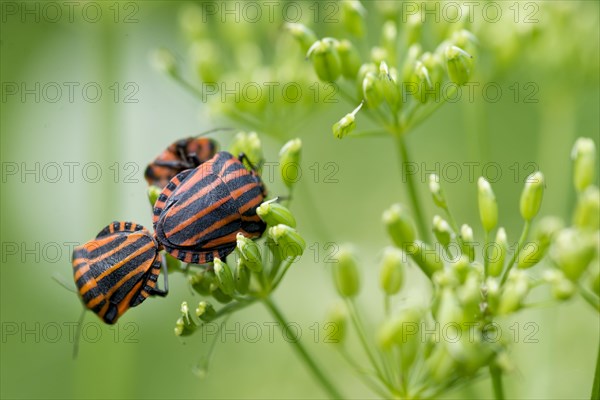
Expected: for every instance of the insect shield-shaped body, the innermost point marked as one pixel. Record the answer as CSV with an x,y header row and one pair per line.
x,y
179,156
117,270
199,213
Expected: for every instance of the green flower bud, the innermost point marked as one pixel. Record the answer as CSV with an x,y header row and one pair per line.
x,y
201,282
242,277
531,254
337,318
185,325
587,211
414,27
205,56
191,21
468,246
459,64
249,250
402,331
326,60
349,58
561,287
290,241
547,228
164,61
360,77
273,213
379,55
572,252
302,34
289,162
399,225
248,144
488,208
424,87
346,125
372,90
345,273
442,231
353,14
224,277
498,255
493,294
425,256
531,197
153,193
391,277
389,39
464,40
436,191
449,311
205,311
220,296
515,291
469,296
408,68
388,85
584,160
461,268
440,363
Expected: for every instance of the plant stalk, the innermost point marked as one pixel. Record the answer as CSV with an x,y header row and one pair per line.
x,y
310,363
412,189
596,385
496,374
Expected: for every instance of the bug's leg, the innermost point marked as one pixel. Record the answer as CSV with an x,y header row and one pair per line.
x,y
243,157
171,164
164,291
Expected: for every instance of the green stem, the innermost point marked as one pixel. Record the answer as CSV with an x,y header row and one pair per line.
x,y
496,374
589,297
310,363
412,190
364,375
596,386
520,244
363,340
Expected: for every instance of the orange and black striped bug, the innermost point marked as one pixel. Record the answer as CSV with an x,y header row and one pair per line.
x,y
118,270
183,154
200,211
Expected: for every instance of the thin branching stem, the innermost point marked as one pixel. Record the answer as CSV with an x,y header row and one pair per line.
x,y
326,384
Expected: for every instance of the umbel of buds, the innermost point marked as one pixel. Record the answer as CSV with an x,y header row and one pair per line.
x,y
248,144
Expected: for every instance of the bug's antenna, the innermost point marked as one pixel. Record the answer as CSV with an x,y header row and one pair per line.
x,y
78,334
61,281
215,130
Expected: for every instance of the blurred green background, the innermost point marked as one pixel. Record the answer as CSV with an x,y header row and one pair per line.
x,y
42,213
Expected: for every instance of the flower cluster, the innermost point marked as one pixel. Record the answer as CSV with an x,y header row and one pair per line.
x,y
469,289
401,80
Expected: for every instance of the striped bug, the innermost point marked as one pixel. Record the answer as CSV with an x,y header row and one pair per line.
x,y
183,154
200,211
118,270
